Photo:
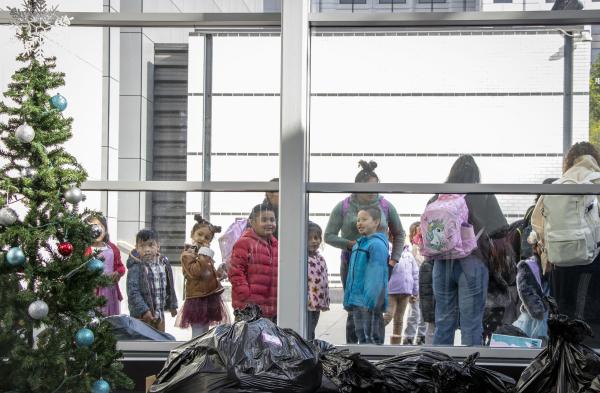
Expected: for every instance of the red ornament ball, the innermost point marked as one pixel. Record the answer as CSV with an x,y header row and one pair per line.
x,y
65,249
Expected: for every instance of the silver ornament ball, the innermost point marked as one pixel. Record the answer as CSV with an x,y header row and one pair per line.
x,y
38,309
25,133
73,195
7,216
28,172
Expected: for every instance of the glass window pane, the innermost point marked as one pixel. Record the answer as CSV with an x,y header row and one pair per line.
x,y
171,215
383,96
370,6
438,287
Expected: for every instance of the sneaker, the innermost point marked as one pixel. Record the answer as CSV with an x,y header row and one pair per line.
x,y
420,340
408,340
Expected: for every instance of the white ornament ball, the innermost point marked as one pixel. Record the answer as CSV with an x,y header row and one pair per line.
x,y
38,309
28,172
73,195
25,133
7,216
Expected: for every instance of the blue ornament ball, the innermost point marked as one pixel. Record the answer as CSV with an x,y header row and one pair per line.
x,y
100,386
15,256
84,337
95,265
58,102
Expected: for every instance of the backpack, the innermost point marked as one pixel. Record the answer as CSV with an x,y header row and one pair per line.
x,y
445,228
571,225
383,203
231,235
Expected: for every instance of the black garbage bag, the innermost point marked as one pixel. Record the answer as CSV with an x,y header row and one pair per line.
x,y
565,365
252,355
125,327
197,366
267,358
454,377
510,330
347,372
412,371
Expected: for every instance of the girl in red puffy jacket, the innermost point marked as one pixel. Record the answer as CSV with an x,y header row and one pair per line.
x,y
253,270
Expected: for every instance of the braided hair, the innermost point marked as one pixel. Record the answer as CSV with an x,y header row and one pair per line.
x,y
201,222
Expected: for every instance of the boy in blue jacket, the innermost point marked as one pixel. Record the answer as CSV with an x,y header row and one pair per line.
x,y
366,286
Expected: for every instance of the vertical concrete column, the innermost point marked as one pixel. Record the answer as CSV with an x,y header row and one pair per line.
x,y
110,115
135,124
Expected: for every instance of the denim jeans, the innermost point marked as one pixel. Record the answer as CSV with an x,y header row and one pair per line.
x,y
460,289
369,326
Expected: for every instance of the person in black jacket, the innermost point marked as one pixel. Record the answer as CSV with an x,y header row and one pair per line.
x,y
426,299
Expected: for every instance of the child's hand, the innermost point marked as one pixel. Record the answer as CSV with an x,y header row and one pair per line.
x,y
148,317
350,244
412,299
392,262
173,312
115,276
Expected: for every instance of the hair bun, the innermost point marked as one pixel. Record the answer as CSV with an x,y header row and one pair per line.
x,y
216,229
198,218
367,166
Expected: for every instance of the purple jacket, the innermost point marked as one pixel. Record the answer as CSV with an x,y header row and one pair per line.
x,y
405,276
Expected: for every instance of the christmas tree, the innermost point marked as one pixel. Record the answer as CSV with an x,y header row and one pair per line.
x,y
52,338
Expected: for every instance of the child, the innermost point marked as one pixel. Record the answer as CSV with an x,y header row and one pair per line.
x,y
533,289
113,266
203,304
426,299
415,326
403,287
150,289
318,281
366,286
253,264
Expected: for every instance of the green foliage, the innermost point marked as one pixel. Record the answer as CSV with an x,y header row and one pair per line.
x,y
49,362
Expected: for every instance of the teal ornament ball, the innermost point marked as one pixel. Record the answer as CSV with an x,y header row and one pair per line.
x,y
100,386
15,256
58,102
84,337
95,265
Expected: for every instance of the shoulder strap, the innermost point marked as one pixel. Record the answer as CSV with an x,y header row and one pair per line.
x,y
345,206
385,206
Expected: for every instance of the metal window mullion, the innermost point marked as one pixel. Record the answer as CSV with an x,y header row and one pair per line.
x,y
568,93
291,307
207,124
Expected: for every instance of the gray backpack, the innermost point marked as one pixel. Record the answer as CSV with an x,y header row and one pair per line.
x,y
572,225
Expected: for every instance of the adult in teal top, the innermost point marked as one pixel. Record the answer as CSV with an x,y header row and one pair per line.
x,y
341,231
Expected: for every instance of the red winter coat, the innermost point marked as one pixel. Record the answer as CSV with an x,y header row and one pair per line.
x,y
253,273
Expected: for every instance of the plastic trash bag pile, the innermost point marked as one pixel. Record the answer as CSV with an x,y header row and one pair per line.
x,y
255,355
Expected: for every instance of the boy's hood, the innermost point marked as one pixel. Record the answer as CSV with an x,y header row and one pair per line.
x,y
134,257
377,235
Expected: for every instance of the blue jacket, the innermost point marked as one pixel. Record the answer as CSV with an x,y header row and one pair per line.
x,y
366,285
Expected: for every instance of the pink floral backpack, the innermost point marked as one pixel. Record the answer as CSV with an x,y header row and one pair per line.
x,y
445,228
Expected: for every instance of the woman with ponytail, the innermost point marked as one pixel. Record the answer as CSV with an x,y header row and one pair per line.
x,y
341,231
